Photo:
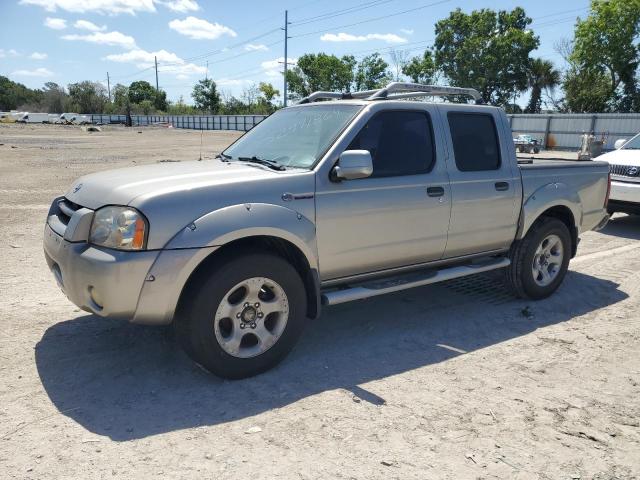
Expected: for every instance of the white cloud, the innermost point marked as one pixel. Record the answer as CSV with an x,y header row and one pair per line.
x,y
8,53
109,38
347,37
407,31
104,7
272,68
182,6
167,62
87,25
38,72
198,28
182,76
38,56
253,47
55,23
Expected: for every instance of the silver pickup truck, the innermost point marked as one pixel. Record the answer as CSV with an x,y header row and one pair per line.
x,y
339,198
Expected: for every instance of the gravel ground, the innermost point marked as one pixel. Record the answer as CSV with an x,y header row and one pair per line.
x,y
452,381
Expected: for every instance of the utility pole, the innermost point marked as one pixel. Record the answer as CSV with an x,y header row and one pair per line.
x,y
206,72
286,58
108,86
156,61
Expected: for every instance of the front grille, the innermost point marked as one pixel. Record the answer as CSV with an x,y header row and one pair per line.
x,y
66,209
624,170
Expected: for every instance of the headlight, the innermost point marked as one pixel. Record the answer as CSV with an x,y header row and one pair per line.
x,y
123,228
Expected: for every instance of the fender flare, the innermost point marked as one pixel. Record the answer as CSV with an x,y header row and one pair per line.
x,y
220,227
556,194
182,255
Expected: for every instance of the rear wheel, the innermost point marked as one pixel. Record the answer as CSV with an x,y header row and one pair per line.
x,y
245,316
539,261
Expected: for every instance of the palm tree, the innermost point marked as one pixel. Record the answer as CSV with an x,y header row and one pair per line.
x,y
541,76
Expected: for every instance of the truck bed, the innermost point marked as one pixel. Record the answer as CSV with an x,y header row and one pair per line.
x,y
585,185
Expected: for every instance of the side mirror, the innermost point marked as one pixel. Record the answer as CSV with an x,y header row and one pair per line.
x,y
619,143
353,164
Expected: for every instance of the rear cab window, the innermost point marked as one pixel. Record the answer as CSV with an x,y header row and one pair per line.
x,y
474,136
400,142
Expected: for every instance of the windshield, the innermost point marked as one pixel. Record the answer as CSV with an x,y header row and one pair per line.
x,y
633,144
294,137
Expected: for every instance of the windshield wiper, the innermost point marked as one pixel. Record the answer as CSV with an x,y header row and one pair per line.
x,y
263,161
223,156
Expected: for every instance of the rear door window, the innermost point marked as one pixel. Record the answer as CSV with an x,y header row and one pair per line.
x,y
475,141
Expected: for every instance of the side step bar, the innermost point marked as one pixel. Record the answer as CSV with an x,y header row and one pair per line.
x,y
395,284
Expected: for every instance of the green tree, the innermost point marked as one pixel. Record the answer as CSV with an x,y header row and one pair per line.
x,y
88,97
160,101
321,72
140,91
14,95
206,97
421,69
268,91
542,75
54,98
586,91
606,42
180,108
486,50
372,72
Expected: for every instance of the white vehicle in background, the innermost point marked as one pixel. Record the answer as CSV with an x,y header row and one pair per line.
x,y
624,166
54,117
65,117
29,117
74,119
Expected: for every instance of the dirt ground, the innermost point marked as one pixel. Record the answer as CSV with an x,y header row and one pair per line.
x,y
454,381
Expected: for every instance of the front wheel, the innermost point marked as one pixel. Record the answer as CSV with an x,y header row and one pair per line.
x,y
245,316
539,261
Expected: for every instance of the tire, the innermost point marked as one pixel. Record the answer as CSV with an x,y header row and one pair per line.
x,y
536,150
224,323
520,149
527,279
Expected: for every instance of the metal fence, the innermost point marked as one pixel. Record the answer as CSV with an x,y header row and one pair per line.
x,y
561,131
564,131
196,122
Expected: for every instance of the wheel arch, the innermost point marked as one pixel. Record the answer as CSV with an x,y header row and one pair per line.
x,y
566,216
259,243
555,200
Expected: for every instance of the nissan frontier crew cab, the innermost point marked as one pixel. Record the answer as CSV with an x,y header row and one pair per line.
x,y
339,198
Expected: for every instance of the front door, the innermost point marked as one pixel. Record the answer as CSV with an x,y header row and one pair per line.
x,y
397,217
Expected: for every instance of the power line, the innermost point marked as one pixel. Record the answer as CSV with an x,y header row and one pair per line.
x,y
338,13
384,17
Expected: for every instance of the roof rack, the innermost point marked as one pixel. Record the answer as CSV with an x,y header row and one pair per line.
x,y
396,90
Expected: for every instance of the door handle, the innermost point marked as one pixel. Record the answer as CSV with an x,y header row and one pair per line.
x,y
435,191
502,186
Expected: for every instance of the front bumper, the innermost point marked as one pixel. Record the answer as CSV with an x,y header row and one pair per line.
x,y
625,192
98,280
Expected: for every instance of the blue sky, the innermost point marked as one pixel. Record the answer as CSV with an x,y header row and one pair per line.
x,y
65,41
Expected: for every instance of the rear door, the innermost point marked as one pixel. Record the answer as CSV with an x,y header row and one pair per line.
x,y
484,185
397,217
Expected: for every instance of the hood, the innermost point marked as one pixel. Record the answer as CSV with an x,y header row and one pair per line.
x,y
622,157
123,186
172,195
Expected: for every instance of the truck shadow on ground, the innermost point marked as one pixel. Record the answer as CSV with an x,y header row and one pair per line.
x,y
625,226
129,382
